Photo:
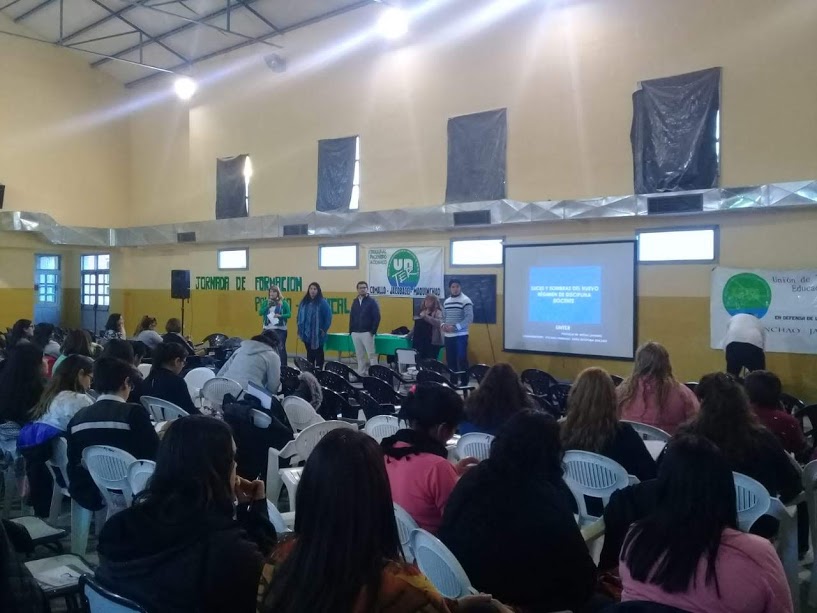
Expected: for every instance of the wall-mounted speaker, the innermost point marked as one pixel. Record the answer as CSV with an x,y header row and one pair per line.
x,y
180,284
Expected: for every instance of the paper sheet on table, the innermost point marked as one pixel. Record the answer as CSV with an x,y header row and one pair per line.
x,y
59,577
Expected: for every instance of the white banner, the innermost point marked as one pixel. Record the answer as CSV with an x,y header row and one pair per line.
x,y
784,300
407,272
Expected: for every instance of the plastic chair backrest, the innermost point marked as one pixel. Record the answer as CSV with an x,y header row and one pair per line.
x,y
260,419
289,379
593,475
276,519
342,370
371,407
144,369
385,374
405,526
300,413
380,390
440,566
476,445
196,379
303,364
648,432
59,462
539,381
214,390
109,470
99,600
478,371
430,376
309,438
162,410
406,358
139,474
382,426
752,499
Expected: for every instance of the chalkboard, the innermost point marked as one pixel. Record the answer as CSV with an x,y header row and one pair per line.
x,y
481,289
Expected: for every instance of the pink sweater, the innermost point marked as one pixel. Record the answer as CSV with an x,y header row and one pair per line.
x,y
421,484
681,404
750,577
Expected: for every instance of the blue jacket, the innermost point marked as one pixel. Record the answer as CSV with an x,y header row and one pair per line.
x,y
314,321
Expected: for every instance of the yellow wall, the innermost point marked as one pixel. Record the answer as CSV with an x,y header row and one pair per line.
x,y
63,150
564,70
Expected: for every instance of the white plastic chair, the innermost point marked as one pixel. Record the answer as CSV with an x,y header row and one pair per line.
x,y
144,369
593,475
214,390
299,449
475,444
405,359
277,519
109,470
382,426
139,474
440,566
300,413
101,600
754,501
405,526
195,380
80,516
260,419
162,410
648,432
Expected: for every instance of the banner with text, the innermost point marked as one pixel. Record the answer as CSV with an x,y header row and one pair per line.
x,y
784,300
406,272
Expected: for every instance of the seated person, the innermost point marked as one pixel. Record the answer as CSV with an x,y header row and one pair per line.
x,y
689,554
112,421
764,389
257,360
124,350
146,332
178,547
509,522
345,553
420,474
499,397
173,327
164,381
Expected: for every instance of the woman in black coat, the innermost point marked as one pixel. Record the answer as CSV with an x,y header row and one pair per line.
x,y
508,521
165,381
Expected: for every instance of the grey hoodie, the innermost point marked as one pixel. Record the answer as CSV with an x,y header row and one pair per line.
x,y
255,362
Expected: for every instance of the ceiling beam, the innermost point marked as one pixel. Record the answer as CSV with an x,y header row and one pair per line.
x,y
241,45
99,22
162,36
34,9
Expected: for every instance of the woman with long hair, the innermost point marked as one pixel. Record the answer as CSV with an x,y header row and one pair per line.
x,y
165,381
21,331
345,539
275,313
727,420
44,338
592,424
314,321
66,393
427,336
178,547
146,332
77,342
22,381
689,553
651,395
538,561
499,397
114,328
417,463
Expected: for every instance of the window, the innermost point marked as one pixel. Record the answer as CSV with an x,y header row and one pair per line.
x,y
477,252
96,280
233,259
247,177
354,202
337,256
678,245
47,278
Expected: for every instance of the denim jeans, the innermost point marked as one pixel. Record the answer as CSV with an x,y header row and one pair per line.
x,y
456,354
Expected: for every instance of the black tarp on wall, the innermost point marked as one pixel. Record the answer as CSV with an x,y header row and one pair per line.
x,y
336,173
673,132
477,157
230,187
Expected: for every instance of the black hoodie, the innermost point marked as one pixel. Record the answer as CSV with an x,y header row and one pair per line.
x,y
207,563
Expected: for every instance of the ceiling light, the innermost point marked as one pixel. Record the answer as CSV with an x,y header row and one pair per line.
x,y
393,23
185,87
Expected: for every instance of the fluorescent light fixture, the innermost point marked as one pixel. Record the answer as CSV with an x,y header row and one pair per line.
x,y
393,23
185,87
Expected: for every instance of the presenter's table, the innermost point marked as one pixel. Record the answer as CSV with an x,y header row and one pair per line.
x,y
384,344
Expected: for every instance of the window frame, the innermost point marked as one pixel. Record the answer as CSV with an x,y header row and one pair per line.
x,y
105,296
452,264
716,244
356,171
357,256
246,250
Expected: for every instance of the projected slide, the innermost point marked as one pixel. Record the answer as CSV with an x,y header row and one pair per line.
x,y
576,299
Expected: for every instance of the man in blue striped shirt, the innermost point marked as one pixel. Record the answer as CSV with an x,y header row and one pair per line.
x,y
459,314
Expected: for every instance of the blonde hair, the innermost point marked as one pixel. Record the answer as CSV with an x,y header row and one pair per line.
x,y
651,363
435,299
592,417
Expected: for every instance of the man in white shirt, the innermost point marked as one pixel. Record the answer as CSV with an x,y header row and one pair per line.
x,y
744,344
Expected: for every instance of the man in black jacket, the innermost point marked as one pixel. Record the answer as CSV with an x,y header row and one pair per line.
x,y
363,323
110,421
